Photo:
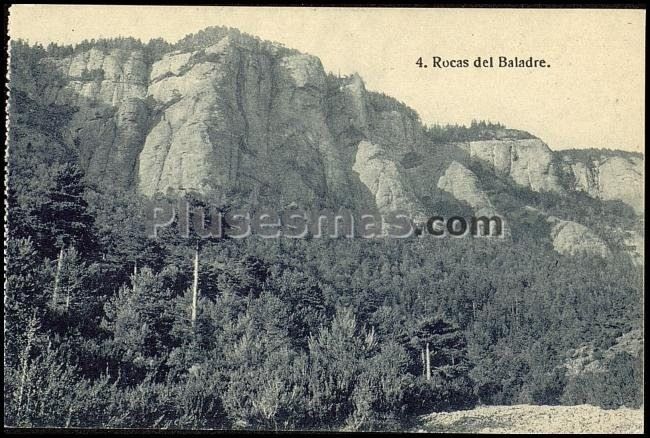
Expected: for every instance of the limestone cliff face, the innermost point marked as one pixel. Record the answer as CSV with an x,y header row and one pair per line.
x,y
572,238
238,117
211,122
528,162
110,77
262,124
463,185
531,164
386,181
109,89
609,178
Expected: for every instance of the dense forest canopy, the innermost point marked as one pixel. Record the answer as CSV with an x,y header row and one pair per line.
x,y
289,333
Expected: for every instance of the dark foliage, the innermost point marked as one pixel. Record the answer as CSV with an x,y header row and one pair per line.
x,y
292,334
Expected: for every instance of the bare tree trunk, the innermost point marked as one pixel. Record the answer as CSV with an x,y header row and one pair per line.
x,y
135,268
428,363
195,286
23,375
424,363
57,276
24,360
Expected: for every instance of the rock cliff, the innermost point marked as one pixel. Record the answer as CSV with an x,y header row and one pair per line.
x,y
109,88
238,116
262,124
528,162
608,177
386,181
463,185
572,238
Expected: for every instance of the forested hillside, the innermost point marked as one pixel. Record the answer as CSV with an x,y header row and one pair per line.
x,y
107,327
289,333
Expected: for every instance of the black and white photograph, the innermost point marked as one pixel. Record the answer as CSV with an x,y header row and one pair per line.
x,y
276,218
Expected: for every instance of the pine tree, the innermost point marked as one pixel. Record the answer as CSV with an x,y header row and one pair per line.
x,y
59,210
24,292
140,318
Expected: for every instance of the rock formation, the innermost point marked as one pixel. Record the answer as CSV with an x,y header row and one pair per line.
x,y
263,124
109,88
386,181
572,238
528,162
609,178
463,185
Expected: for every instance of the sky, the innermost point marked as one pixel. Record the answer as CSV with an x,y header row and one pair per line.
x,y
592,95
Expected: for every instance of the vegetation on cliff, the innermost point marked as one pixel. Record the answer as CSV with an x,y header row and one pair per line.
x,y
107,327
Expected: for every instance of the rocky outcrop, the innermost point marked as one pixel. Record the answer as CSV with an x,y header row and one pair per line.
x,y
463,185
235,118
622,179
238,117
109,89
266,123
528,162
572,238
609,178
256,123
107,77
584,359
386,181
531,164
